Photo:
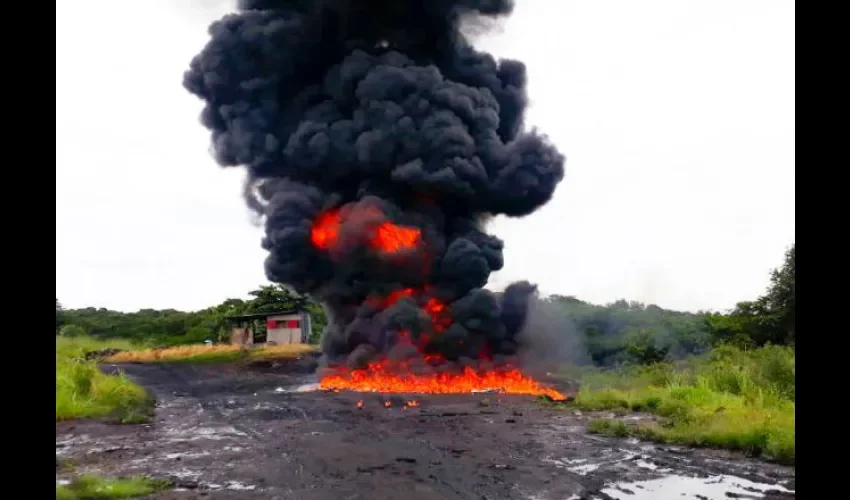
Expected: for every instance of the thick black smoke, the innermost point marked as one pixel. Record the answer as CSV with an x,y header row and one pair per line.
x,y
382,110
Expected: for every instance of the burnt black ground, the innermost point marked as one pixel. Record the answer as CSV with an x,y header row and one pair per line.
x,y
224,432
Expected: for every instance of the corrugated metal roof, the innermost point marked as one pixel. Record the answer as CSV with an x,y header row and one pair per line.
x,y
263,314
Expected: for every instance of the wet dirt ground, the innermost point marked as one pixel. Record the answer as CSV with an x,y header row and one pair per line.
x,y
238,432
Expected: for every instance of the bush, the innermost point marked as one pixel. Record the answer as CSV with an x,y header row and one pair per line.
x,y
83,391
72,331
730,398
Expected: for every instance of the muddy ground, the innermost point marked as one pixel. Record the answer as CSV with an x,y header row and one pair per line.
x,y
229,432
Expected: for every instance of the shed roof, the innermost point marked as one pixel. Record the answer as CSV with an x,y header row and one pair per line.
x,y
263,314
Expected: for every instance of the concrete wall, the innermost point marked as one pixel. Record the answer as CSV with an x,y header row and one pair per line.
x,y
287,330
241,336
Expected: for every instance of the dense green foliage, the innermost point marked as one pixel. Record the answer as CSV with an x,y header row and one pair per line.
x,y
768,319
632,332
625,332
728,398
171,327
618,333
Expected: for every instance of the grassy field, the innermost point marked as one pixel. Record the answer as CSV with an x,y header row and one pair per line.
x,y
93,487
200,353
742,400
83,391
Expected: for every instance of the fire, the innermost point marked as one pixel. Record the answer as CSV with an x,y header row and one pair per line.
x,y
391,238
439,317
383,377
384,302
325,231
386,237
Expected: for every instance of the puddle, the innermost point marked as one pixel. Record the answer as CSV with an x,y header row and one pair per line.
x,y
188,433
231,485
698,488
236,485
299,388
184,473
611,458
584,469
649,465
186,455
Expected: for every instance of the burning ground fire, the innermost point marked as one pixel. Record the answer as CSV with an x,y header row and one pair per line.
x,y
378,377
389,377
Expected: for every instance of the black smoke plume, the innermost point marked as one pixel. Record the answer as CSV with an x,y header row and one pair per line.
x,y
371,112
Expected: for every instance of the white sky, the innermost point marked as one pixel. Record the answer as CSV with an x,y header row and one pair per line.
x,y
677,118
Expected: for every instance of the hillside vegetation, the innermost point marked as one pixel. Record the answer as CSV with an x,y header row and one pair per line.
x,y
729,398
169,327
740,394
607,336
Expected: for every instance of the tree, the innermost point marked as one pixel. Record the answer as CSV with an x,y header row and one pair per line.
x,y
780,297
269,298
59,318
646,345
72,331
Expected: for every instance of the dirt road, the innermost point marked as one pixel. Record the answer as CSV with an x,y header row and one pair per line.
x,y
230,433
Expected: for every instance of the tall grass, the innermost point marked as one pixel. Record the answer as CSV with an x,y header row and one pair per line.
x,y
83,391
729,398
201,353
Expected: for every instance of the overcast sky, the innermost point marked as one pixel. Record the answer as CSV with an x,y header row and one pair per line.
x,y
676,116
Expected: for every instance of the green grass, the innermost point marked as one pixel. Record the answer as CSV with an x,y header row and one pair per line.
x,y
741,400
83,391
97,488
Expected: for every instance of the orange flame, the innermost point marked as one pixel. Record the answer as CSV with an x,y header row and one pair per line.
x,y
382,377
387,237
325,231
439,317
391,238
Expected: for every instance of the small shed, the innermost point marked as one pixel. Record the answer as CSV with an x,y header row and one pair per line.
x,y
281,327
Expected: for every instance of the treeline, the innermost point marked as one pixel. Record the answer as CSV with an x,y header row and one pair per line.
x,y
172,327
617,333
632,332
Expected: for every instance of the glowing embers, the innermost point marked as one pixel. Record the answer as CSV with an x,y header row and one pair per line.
x,y
398,377
385,236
